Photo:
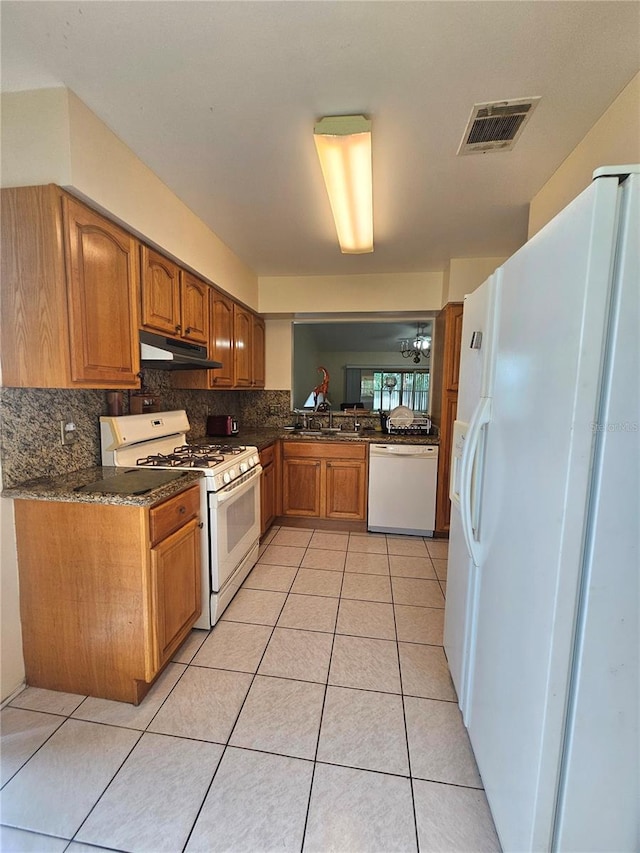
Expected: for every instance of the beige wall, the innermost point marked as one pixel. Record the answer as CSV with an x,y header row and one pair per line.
x,y
613,140
50,136
463,275
327,295
35,138
278,345
350,293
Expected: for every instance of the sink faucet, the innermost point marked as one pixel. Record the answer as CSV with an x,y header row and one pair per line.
x,y
317,422
304,417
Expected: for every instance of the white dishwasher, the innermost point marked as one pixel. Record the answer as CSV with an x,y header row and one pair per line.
x,y
402,488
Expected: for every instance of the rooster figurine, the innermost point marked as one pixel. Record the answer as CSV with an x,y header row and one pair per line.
x,y
321,392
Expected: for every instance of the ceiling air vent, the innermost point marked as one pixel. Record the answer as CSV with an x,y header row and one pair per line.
x,y
496,126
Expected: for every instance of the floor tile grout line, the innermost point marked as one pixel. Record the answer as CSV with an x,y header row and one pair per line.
x,y
406,731
27,760
107,786
178,680
324,701
187,664
235,722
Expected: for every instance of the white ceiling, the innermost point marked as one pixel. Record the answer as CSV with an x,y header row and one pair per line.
x,y
219,99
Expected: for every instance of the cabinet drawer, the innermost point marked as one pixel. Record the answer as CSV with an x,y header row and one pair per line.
x,y
173,513
267,455
324,450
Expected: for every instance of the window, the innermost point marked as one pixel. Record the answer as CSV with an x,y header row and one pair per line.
x,y
378,388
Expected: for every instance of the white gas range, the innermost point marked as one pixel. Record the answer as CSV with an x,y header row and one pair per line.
x,y
229,494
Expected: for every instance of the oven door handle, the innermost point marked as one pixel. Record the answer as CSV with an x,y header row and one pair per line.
x,y
235,491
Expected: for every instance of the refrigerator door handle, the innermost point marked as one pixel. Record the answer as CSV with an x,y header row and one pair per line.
x,y
468,488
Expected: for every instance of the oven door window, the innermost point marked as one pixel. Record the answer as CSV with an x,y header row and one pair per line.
x,y
235,527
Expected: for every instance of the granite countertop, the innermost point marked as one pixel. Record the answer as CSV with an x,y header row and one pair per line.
x,y
262,438
62,488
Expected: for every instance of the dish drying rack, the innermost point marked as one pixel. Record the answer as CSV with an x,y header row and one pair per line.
x,y
420,425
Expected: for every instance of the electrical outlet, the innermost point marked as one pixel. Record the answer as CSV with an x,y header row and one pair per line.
x,y
68,433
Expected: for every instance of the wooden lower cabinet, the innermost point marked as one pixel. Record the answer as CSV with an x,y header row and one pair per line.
x,y
346,483
324,480
269,486
176,592
107,592
301,487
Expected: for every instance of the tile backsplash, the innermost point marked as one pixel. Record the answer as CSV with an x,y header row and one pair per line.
x,y
30,422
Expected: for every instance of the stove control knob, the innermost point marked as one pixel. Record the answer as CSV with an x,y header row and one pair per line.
x,y
254,460
244,467
232,474
226,477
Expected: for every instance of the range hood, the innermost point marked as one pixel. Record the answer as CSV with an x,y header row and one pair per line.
x,y
160,353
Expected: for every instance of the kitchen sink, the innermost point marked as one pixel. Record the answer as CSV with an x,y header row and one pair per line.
x,y
327,432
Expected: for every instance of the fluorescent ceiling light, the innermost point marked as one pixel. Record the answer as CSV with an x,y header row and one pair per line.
x,y
344,148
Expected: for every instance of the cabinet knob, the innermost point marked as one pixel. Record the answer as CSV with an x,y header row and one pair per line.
x,y
178,327
182,510
188,330
201,525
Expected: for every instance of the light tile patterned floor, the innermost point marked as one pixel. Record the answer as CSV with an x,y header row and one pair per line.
x,y
318,715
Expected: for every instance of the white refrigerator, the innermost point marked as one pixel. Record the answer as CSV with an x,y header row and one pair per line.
x,y
475,390
542,611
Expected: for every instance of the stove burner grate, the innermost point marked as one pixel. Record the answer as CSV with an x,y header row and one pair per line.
x,y
191,456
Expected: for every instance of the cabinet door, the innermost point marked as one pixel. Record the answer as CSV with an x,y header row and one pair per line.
x,y
345,489
194,308
102,279
258,352
453,342
175,568
221,346
267,498
160,294
242,361
301,487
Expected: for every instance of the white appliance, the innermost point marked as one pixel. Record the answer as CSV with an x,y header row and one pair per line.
x,y
402,488
229,494
475,389
541,619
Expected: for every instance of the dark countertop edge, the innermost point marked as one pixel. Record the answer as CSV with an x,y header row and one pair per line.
x,y
262,438
61,488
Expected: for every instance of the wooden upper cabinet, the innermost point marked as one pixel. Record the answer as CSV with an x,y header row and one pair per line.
x,y
236,340
160,293
453,342
242,357
194,308
221,346
102,277
258,352
69,284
